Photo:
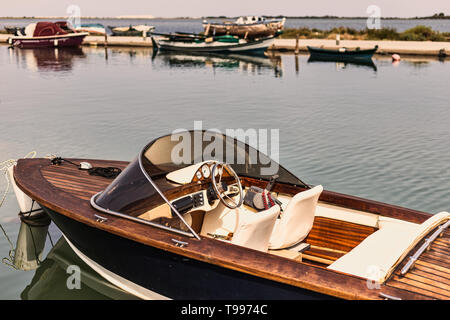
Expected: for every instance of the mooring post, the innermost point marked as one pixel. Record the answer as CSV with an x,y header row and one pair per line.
x,y
106,39
338,39
296,44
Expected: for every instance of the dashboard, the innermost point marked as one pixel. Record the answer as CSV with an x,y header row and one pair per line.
x,y
198,172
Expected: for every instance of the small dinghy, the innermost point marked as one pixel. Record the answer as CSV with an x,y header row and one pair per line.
x,y
216,44
187,225
17,31
91,28
132,31
341,54
246,27
46,34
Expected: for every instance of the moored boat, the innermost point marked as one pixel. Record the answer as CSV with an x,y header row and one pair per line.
x,y
342,54
17,31
199,228
91,28
246,27
217,44
132,31
46,34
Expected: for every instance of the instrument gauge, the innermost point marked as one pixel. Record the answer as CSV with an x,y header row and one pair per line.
x,y
206,171
199,175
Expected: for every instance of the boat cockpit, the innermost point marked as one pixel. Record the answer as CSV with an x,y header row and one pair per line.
x,y
204,184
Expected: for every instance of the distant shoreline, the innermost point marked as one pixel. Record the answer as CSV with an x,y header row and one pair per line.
x,y
435,17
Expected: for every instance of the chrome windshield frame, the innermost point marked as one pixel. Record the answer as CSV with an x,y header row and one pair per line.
x,y
191,234
141,154
143,221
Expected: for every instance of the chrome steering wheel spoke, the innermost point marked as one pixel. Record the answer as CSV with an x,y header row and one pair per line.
x,y
217,186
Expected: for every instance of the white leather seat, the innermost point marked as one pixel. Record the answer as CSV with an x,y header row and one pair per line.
x,y
376,257
296,220
255,229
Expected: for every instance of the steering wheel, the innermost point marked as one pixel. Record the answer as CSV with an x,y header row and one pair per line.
x,y
219,167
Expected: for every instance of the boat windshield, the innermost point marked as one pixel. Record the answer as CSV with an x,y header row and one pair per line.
x,y
168,165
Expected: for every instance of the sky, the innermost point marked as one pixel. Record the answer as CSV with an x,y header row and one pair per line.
x,y
198,8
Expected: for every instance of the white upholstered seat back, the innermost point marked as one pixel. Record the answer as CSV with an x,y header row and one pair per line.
x,y
255,229
297,219
29,29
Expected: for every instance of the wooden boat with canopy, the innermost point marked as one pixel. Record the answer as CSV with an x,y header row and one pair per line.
x,y
47,34
213,221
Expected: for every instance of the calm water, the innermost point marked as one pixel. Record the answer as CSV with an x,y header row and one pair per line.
x,y
195,25
378,132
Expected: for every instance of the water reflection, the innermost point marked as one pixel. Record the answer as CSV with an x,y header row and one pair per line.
x,y
245,63
47,59
51,279
31,240
340,64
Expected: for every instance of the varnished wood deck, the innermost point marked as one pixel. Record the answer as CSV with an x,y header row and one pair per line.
x,y
430,275
67,190
78,183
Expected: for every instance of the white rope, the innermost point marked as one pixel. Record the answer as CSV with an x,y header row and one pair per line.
x,y
4,166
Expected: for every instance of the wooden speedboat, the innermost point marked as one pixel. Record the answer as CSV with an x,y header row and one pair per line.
x,y
342,54
243,27
217,44
177,223
46,34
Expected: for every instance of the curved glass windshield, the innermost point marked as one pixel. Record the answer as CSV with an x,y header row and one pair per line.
x,y
178,150
174,171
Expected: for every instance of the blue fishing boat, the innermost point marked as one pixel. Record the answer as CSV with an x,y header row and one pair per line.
x,y
341,54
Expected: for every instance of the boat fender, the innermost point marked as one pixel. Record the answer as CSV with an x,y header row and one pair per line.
x,y
85,166
396,57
